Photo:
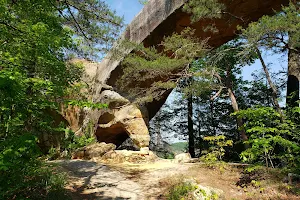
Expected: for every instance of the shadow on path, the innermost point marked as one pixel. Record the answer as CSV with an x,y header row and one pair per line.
x,y
91,180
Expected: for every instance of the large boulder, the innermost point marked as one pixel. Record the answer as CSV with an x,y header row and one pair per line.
x,y
205,192
119,123
121,156
128,145
183,157
95,150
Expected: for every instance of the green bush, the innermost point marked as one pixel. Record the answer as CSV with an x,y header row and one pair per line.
x,y
216,150
23,175
169,155
180,191
273,140
73,142
70,143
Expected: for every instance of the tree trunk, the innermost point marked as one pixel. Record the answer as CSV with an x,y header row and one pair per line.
x,y
158,135
190,126
293,78
239,120
273,87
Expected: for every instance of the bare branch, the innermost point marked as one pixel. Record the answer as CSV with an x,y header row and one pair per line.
x,y
217,94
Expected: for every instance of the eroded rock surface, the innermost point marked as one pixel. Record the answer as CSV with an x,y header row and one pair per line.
x,y
107,153
93,151
120,121
113,124
159,18
135,157
183,157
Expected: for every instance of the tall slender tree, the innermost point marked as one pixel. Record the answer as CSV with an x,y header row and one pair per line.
x,y
280,33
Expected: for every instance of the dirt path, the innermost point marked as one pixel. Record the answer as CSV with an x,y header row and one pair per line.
x,y
91,180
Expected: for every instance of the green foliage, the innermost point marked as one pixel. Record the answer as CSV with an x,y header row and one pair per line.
x,y
36,79
22,175
36,38
270,139
145,65
74,142
180,191
70,144
216,151
144,2
205,196
179,146
169,155
204,9
87,104
272,32
94,24
219,70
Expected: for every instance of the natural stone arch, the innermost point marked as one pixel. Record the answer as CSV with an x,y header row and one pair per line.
x,y
161,18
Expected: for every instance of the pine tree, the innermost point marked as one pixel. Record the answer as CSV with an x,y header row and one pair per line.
x,y
279,33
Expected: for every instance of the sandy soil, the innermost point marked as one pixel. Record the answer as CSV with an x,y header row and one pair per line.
x,y
91,180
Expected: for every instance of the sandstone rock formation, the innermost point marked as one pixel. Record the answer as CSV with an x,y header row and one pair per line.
x,y
183,157
128,145
93,151
120,121
120,156
106,153
113,124
158,18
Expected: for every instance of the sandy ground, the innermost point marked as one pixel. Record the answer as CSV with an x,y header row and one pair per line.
x,y
91,180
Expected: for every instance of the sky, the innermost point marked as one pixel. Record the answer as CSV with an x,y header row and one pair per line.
x,y
126,8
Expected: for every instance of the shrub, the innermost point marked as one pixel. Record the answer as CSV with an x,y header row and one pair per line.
x,y
273,141
22,174
180,191
71,143
216,150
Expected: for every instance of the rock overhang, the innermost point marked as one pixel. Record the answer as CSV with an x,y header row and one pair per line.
x,y
160,18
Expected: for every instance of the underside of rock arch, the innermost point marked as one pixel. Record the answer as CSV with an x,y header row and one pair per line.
x,y
159,18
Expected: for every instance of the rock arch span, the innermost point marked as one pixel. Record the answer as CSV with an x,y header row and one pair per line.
x,y
157,19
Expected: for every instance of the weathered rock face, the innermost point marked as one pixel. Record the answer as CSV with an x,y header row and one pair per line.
x,y
106,153
120,121
128,145
113,124
78,118
93,151
158,18
161,18
120,156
